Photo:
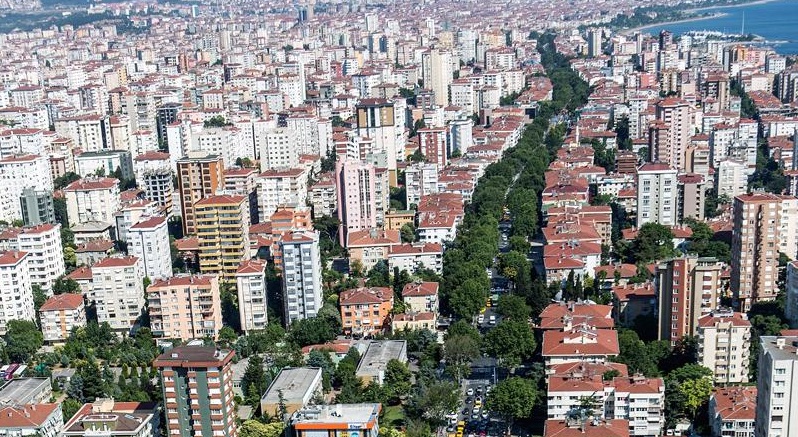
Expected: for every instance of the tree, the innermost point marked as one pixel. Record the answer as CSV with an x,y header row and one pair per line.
x,y
317,330
254,383
396,381
514,398
69,407
459,350
23,339
696,393
434,400
254,428
653,242
467,299
511,342
39,297
635,354
62,181
227,336
408,233
65,285
514,308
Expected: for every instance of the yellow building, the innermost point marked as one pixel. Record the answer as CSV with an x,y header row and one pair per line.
x,y
223,234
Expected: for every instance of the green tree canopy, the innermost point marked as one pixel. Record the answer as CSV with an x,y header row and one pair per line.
x,y
23,339
514,398
511,342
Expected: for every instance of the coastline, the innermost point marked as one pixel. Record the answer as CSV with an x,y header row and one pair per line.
x,y
685,20
689,20
738,5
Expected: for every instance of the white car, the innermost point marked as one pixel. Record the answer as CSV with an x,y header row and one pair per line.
x,y
481,319
470,392
484,414
492,320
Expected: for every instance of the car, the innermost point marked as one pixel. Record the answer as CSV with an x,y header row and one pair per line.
x,y
475,414
465,411
481,319
470,392
479,399
478,403
479,390
453,421
485,414
450,428
469,400
492,320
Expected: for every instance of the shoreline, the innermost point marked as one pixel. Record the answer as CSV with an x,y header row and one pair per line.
x,y
692,19
685,20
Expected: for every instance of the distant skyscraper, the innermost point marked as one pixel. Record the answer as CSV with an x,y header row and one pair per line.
x,y
594,43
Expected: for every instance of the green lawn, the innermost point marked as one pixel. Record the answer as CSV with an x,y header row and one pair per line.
x,y
393,416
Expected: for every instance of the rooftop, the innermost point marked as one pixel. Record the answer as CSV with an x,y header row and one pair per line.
x,y
378,354
294,383
337,416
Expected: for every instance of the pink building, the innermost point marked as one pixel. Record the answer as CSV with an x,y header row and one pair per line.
x,y
433,145
171,318
357,196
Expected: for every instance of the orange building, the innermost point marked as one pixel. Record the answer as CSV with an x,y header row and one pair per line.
x,y
365,310
198,177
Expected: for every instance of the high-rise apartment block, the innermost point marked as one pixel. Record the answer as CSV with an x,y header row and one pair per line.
x,y
688,288
16,294
223,231
148,240
724,338
777,387
764,225
92,199
118,292
185,307
357,195
198,396
45,254
198,176
657,194
301,278
252,295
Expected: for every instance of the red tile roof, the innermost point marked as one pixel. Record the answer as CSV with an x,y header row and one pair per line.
x,y
67,301
26,416
606,428
251,266
92,184
122,261
735,403
579,342
420,289
12,257
366,295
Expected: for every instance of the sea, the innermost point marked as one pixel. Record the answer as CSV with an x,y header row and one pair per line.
x,y
775,21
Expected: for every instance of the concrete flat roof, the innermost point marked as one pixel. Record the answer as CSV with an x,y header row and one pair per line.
x,y
22,390
337,413
379,353
294,382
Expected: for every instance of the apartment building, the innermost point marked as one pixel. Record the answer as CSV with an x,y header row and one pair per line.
x,y
421,296
724,340
37,207
412,257
732,411
198,176
154,174
118,292
337,420
16,294
185,307
92,199
791,285
764,225
777,387
657,193
222,224
18,173
688,288
114,419
357,194
59,315
365,310
148,240
421,179
579,343
42,420
46,257
252,295
281,187
301,279
198,391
